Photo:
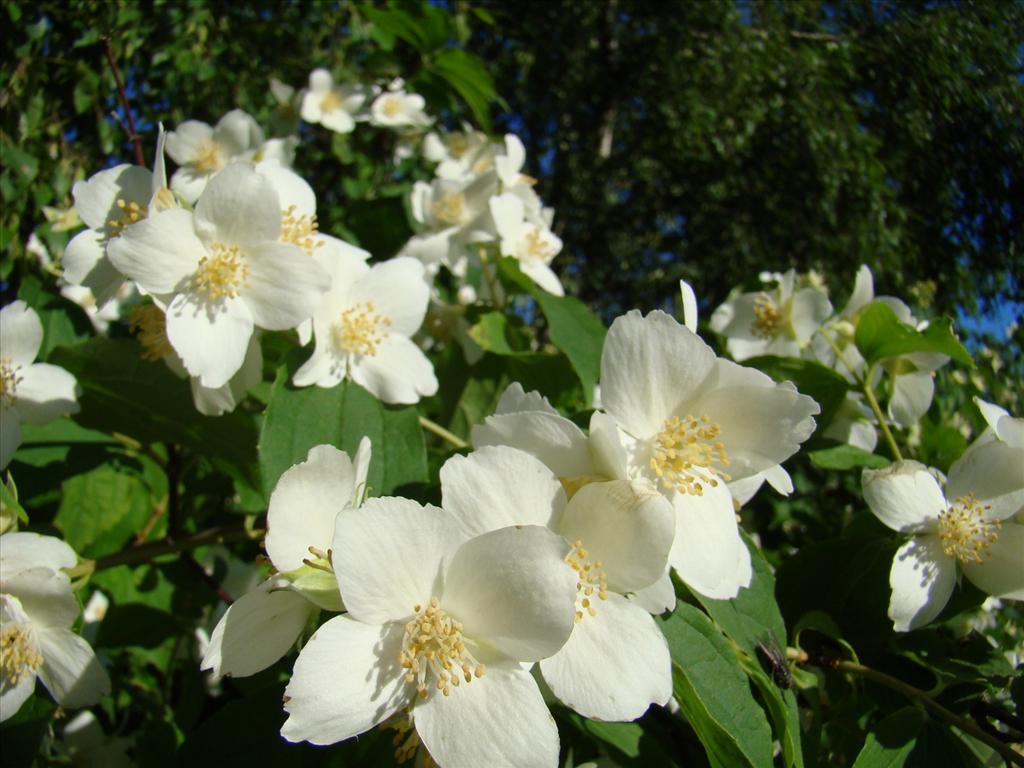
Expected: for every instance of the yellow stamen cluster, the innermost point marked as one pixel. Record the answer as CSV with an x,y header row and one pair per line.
x,y
222,273
360,330
590,579
449,209
331,102
392,106
131,212
208,158
684,452
18,655
299,230
572,484
767,317
965,532
406,741
433,644
458,145
149,325
9,380
537,247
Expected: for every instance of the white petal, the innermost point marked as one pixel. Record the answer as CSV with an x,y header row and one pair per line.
x,y
615,664
629,529
96,199
189,183
160,252
292,189
515,399
389,557
21,333
863,291
543,276
305,504
507,212
735,318
658,597
650,366
13,696
708,553
85,263
346,680
809,310
606,446
398,373
922,579
499,486
512,590
994,474
211,339
10,434
690,310
258,629
398,291
552,438
285,286
905,496
911,396
45,393
1001,572
187,141
499,720
71,671
338,120
237,132
22,550
45,595
238,206
322,369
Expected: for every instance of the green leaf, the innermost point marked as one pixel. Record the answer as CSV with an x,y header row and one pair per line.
x,y
102,509
136,625
713,692
468,75
122,393
64,323
21,735
813,379
751,618
880,335
892,740
573,328
846,457
494,333
298,419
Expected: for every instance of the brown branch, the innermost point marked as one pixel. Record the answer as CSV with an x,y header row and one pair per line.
x,y
133,133
145,552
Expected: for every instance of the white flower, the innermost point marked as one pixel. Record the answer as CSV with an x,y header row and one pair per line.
x,y
333,107
108,202
363,329
967,528
222,271
532,245
260,627
202,151
688,423
616,662
780,321
37,609
100,316
449,213
437,625
455,153
36,393
396,108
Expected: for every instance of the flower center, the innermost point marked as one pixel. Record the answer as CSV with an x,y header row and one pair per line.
x,y
684,452
458,145
450,208
965,532
331,102
131,212
536,247
299,230
392,106
405,741
589,579
18,655
767,317
433,646
9,380
208,158
149,325
222,273
360,330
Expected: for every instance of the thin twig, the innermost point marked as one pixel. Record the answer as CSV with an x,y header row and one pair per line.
x,y
167,546
869,395
133,133
207,578
157,513
444,434
914,694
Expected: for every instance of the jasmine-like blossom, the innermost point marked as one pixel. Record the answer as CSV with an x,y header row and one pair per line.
x,y
203,151
332,106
